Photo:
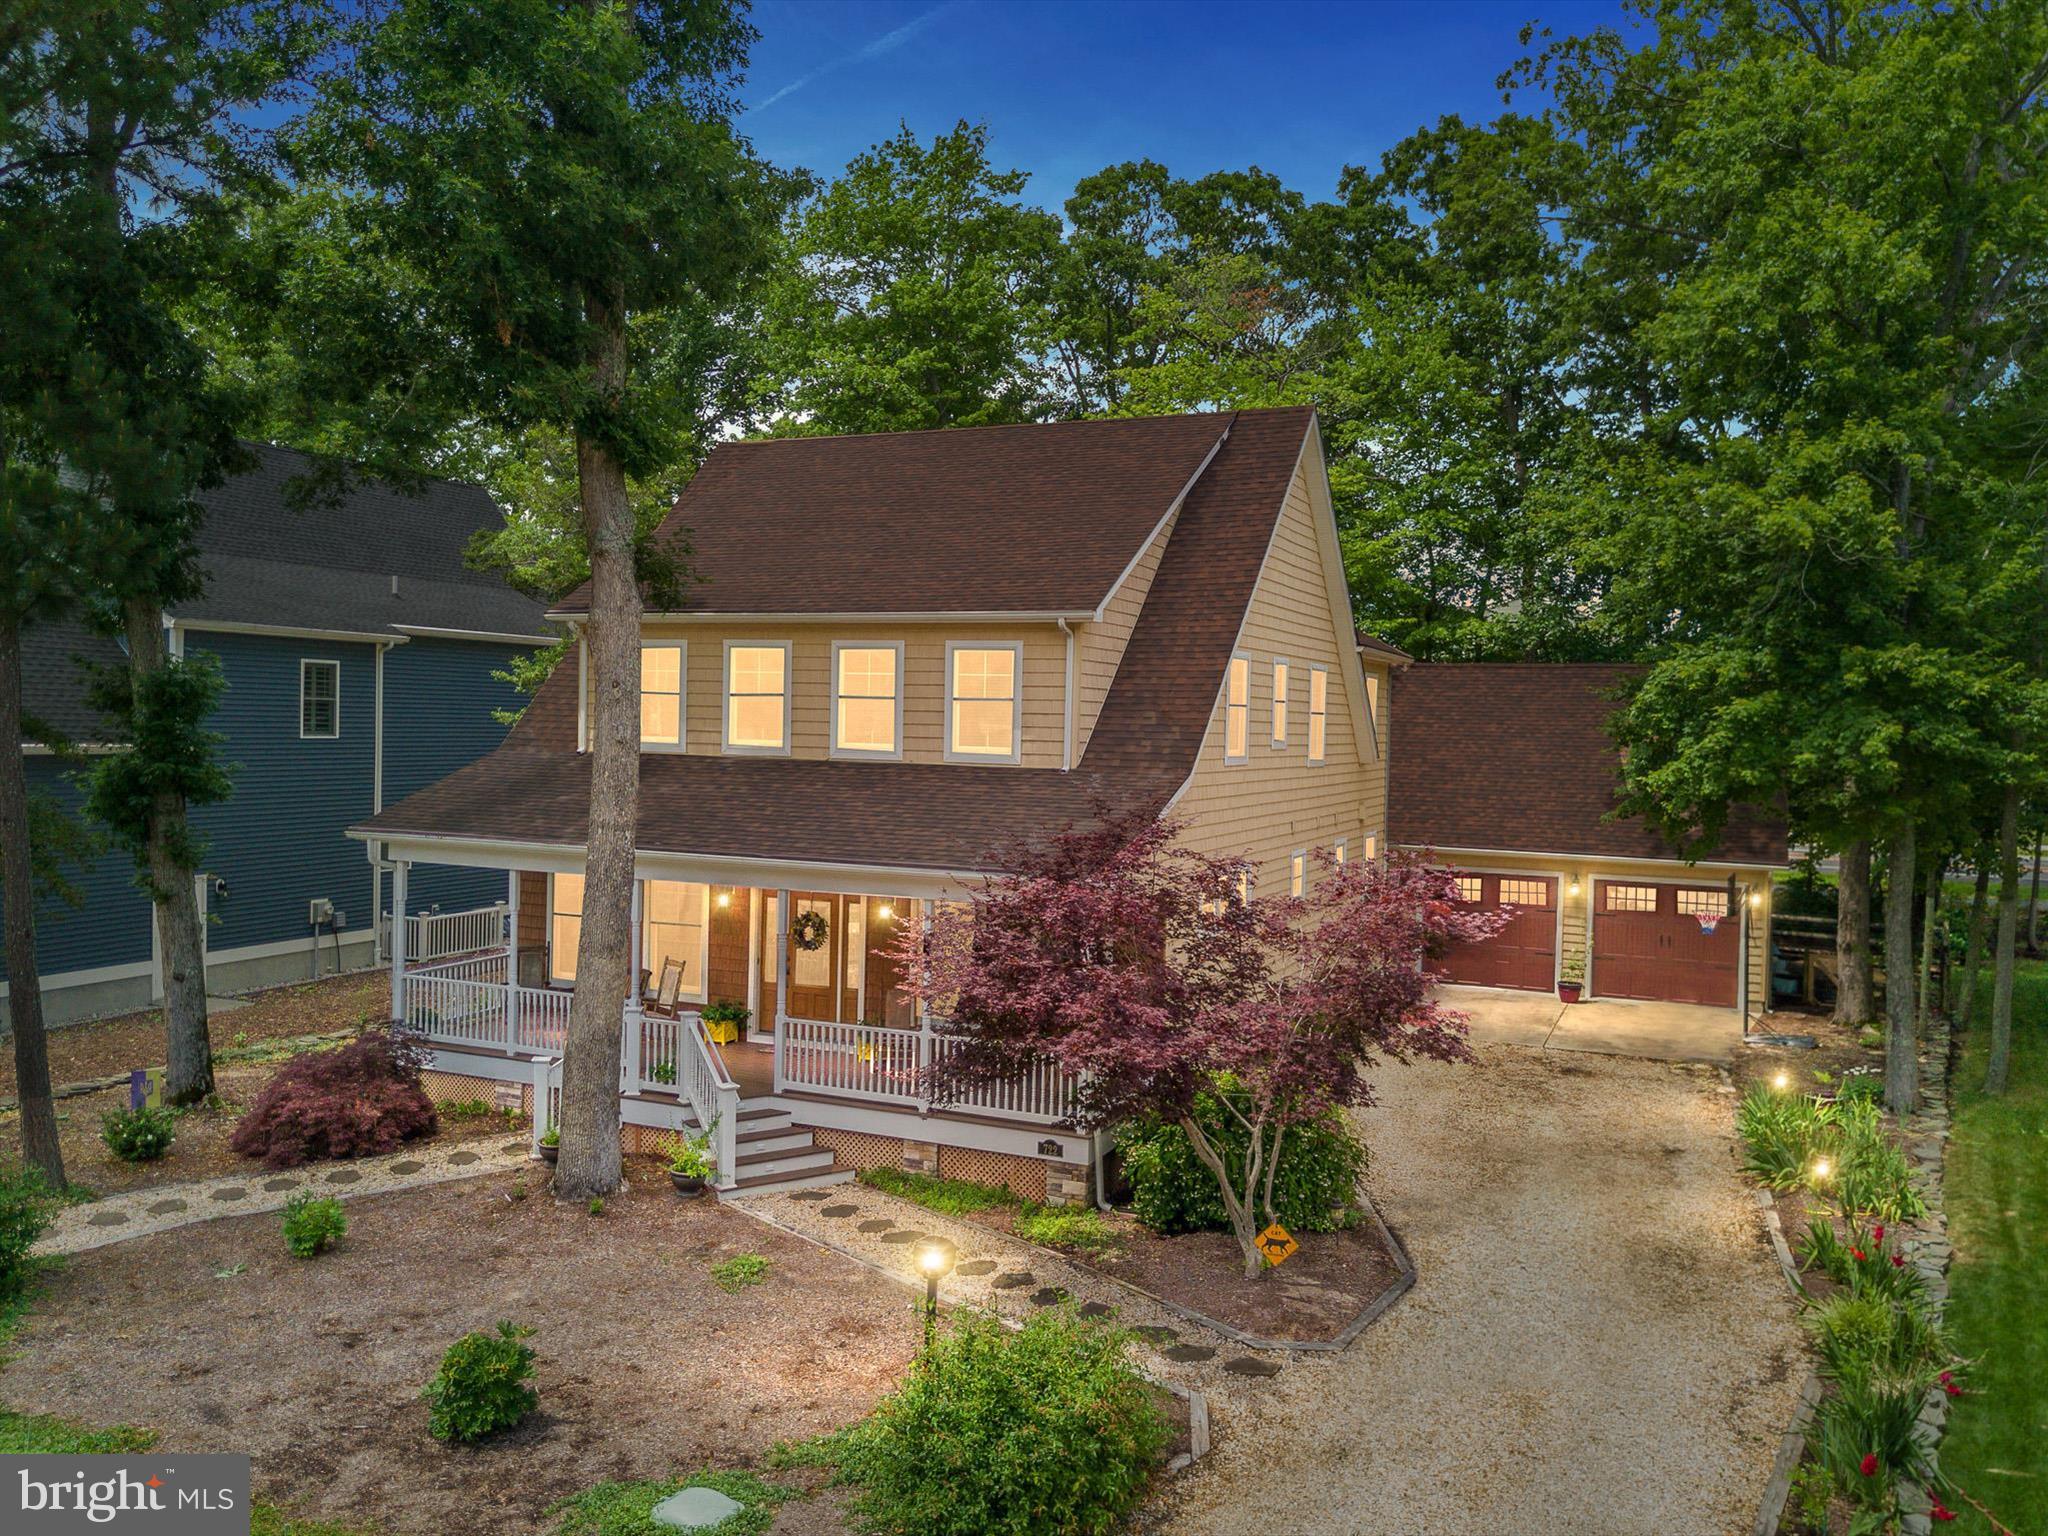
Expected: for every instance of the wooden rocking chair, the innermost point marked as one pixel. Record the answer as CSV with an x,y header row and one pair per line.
x,y
664,1004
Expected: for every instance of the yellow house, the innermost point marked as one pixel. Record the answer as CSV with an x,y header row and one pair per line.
x,y
906,657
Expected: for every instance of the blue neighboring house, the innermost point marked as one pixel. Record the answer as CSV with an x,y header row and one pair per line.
x,y
359,655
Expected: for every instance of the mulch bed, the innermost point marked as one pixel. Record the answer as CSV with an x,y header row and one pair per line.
x,y
217,1339
1311,1298
1836,1052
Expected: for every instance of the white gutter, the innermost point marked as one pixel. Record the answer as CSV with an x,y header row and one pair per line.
x,y
494,636
1067,717
287,631
976,616
1585,857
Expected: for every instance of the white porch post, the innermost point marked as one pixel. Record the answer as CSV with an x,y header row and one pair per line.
x,y
398,873
512,959
754,954
780,941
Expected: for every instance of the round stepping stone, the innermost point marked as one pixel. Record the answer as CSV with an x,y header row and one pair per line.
x,y
165,1207
344,1176
695,1509
1153,1333
464,1159
1246,1365
1096,1309
903,1235
515,1146
106,1218
231,1192
805,1195
410,1165
1051,1295
839,1212
978,1267
276,1184
878,1224
1188,1354
1014,1280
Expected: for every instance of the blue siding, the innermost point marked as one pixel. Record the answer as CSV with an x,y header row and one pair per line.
x,y
111,926
278,841
439,696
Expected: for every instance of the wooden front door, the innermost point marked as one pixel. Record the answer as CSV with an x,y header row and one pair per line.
x,y
1649,942
814,973
1524,953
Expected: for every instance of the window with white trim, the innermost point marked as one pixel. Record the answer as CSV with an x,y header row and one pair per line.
x,y
1340,852
1297,872
1372,698
1237,710
319,700
565,926
1525,893
1318,712
1279,702
1471,888
675,924
984,701
661,694
1630,898
812,967
1244,888
1703,903
757,696
1372,846
867,700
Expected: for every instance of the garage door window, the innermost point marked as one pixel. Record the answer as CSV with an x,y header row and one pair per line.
x,y
1470,888
1526,893
1631,898
1703,903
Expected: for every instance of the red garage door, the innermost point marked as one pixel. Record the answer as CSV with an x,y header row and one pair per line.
x,y
1648,942
1523,954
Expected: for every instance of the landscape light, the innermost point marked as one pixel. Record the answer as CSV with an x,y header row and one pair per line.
x,y
1782,1081
936,1260
1822,1168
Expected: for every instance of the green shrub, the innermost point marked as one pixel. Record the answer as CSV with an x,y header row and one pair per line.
x,y
312,1224
1782,1134
740,1271
1807,1499
483,1386
1854,1335
1823,1249
1041,1432
138,1135
1872,1177
1079,1227
27,1207
1173,1191
951,1197
1872,1422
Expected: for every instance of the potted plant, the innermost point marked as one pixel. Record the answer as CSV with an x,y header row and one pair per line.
x,y
550,1145
1571,979
690,1164
726,1022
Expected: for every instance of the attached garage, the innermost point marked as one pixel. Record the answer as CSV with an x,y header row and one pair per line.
x,y
1670,943
1524,953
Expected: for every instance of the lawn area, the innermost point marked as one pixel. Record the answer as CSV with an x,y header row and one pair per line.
x,y
1997,1199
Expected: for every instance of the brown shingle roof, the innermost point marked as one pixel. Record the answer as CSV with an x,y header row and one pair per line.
x,y
1024,519
1382,650
1516,757
938,816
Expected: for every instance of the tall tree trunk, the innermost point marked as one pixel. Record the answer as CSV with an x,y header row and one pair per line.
x,y
188,1076
1973,958
1901,893
2008,929
1854,987
1937,870
39,1145
588,1163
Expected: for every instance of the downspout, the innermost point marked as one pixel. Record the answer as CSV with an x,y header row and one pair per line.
x,y
1067,716
376,805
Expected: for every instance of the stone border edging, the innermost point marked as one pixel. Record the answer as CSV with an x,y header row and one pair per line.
x,y
1791,1451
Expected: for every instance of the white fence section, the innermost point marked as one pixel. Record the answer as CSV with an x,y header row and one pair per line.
x,y
867,1061
658,1064
457,1009
435,935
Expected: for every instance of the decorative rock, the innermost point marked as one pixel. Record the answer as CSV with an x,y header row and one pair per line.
x,y
1014,1280
978,1267
414,1165
1096,1309
806,1195
165,1207
1188,1354
878,1224
106,1218
463,1158
695,1509
903,1235
231,1192
1248,1365
1051,1295
838,1212
351,1176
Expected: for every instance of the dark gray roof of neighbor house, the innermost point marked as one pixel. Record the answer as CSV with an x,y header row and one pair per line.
x,y
332,565
53,679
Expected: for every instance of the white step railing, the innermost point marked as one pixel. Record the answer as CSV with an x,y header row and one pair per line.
x,y
659,1061
713,1095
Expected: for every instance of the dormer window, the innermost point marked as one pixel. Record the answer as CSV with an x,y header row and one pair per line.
x,y
867,700
1237,710
661,695
757,696
984,701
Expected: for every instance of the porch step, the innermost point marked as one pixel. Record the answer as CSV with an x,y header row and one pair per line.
x,y
790,1162
783,1139
773,1152
769,1183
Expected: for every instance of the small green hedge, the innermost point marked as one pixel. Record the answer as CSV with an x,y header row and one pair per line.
x,y
1173,1191
483,1385
27,1207
313,1224
138,1135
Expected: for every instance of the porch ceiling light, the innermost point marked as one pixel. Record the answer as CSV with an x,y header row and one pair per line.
x,y
1574,886
725,898
1756,898
885,912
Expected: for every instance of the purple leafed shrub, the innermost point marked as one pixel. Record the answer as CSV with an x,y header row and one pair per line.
x,y
361,1099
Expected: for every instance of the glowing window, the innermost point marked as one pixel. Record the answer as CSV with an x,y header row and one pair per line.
x,y
812,967
1471,888
1297,873
675,925
757,697
1237,709
1526,893
1279,703
1318,712
1703,903
1631,898
1244,888
1372,847
868,698
983,701
565,926
1341,852
661,695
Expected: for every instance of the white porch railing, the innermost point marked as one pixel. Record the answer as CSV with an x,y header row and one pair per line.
x,y
868,1061
436,935
712,1094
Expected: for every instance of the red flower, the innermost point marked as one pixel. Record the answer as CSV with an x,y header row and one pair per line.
x,y
1898,1261
1938,1510
1869,1467
1948,1384
1877,1233
1859,1255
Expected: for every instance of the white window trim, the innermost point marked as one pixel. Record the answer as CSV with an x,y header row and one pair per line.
x,y
555,980
1282,715
1340,852
703,936
682,741
1297,864
1016,755
1316,759
725,696
335,666
1375,844
832,727
1244,756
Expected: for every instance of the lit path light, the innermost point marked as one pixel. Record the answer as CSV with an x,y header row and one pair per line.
x,y
935,1262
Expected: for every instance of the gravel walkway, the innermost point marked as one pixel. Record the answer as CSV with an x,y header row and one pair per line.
x,y
1599,1343
139,1212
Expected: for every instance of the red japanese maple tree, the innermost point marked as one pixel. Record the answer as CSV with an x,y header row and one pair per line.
x,y
1130,959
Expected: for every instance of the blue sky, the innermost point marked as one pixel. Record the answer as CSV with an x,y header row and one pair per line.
x,y
1300,88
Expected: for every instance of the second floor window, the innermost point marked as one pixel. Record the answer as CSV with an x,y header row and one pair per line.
x,y
1279,703
1318,713
983,701
320,699
661,695
757,697
867,704
1297,872
1237,709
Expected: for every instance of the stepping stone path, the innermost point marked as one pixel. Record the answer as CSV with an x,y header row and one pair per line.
x,y
1188,1354
903,1235
876,1225
1096,1309
839,1212
1153,1334
107,1218
410,1165
978,1267
1052,1295
459,1159
350,1176
1247,1365
231,1192
1015,1280
165,1207
807,1194
276,1184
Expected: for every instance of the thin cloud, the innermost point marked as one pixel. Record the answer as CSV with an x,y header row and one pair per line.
x,y
888,42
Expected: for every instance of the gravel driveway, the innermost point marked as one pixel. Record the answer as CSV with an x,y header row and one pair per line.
x,y
1599,1344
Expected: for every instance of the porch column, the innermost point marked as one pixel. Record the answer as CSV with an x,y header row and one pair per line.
x,y
398,872
780,941
511,958
754,954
